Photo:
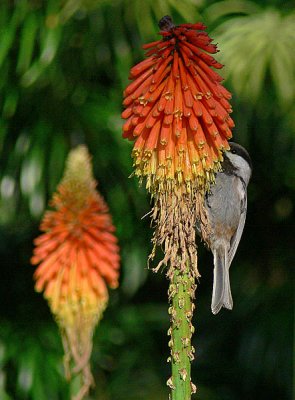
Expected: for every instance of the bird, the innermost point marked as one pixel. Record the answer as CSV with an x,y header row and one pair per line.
x,y
226,207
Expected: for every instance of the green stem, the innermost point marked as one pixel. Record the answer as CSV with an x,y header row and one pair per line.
x,y
181,294
76,364
76,385
80,384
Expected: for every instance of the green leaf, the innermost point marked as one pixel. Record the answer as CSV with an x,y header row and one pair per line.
x,y
26,367
49,48
8,30
7,37
254,45
10,103
225,8
187,9
27,42
144,18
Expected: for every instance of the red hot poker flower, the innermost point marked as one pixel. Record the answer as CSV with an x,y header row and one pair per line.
x,y
177,114
177,111
78,257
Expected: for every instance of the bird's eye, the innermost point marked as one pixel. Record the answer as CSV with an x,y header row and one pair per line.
x,y
234,151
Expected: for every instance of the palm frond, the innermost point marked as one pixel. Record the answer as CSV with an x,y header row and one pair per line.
x,y
257,48
228,8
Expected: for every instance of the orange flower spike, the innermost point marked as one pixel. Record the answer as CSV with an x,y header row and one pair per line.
x,y
178,89
78,257
177,114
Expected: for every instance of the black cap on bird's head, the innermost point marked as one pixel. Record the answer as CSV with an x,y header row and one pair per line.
x,y
236,148
229,167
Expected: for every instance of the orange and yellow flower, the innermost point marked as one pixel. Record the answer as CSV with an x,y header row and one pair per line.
x,y
78,256
176,110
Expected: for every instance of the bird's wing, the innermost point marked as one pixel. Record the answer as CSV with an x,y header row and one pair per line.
x,y
237,236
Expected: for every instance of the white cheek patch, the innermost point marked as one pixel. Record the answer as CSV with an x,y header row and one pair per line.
x,y
241,164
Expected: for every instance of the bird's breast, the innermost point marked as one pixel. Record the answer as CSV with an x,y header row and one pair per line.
x,y
223,205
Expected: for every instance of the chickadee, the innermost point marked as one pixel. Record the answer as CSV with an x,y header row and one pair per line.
x,y
226,206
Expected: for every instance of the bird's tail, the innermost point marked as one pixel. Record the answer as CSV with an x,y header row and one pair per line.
x,y
221,296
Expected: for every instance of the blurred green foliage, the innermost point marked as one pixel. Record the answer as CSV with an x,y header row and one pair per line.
x,y
63,66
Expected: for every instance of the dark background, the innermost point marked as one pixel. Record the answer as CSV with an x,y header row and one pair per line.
x,y
63,66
